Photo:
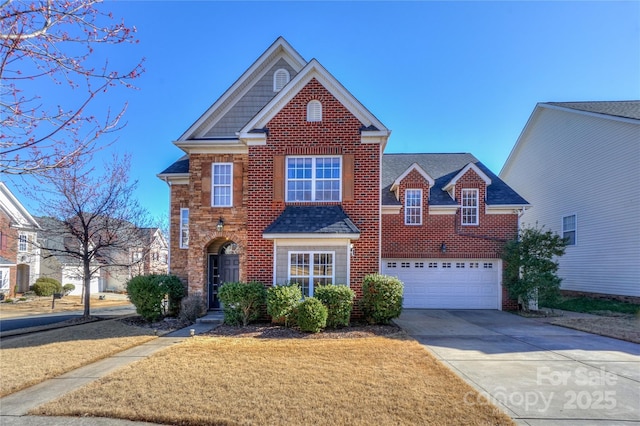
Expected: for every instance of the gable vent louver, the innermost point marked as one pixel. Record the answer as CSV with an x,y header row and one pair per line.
x,y
280,79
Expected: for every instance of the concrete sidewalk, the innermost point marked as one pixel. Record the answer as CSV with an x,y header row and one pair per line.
x,y
539,374
14,407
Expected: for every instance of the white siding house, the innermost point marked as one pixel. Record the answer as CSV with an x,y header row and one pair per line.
x,y
578,164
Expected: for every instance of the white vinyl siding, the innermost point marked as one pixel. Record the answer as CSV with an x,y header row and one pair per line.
x,y
557,156
413,207
221,184
184,228
469,207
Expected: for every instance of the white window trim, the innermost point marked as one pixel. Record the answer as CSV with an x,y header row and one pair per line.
x,y
419,207
276,87
314,111
575,228
476,207
184,245
230,185
311,254
313,179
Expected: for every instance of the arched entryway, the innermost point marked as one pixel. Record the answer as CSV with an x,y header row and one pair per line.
x,y
223,262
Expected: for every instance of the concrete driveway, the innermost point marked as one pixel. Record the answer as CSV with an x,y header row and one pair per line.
x,y
537,373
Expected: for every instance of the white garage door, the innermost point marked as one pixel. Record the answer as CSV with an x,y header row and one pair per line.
x,y
448,284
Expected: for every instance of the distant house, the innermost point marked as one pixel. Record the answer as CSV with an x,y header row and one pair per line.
x,y
284,179
19,253
578,163
147,255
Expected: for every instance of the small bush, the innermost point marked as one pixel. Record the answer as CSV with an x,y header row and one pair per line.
x,y
174,290
339,302
68,288
8,300
146,296
191,308
281,302
312,315
381,298
242,302
47,286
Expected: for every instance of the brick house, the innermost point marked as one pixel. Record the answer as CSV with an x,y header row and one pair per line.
x,y
19,253
284,180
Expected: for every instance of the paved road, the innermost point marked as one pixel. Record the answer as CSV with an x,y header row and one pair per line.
x,y
26,321
537,373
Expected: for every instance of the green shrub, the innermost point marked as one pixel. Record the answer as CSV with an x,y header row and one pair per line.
x,y
68,288
149,292
381,298
312,315
242,302
281,302
339,302
174,290
47,286
8,300
191,308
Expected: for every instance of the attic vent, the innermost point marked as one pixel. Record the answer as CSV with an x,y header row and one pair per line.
x,y
280,79
314,111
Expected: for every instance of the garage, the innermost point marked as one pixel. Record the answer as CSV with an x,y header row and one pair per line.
x,y
448,283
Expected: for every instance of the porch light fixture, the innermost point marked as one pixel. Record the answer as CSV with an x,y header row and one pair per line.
x,y
220,225
443,247
352,250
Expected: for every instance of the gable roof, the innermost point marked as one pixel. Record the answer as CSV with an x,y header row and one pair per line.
x,y
445,168
19,215
624,109
313,70
321,221
279,54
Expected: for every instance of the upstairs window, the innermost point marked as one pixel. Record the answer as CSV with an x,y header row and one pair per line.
x,y
280,79
314,111
469,207
413,207
569,229
184,228
314,179
22,242
221,189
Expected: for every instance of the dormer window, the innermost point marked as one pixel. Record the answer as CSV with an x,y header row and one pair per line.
x,y
314,111
280,79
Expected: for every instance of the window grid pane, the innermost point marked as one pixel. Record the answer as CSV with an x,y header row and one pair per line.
x,y
221,189
569,229
310,269
469,207
313,179
413,207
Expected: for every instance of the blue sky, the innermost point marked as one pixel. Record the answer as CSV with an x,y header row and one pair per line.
x,y
443,76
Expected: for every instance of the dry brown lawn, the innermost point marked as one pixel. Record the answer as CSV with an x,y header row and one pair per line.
x,y
31,359
42,305
625,327
242,381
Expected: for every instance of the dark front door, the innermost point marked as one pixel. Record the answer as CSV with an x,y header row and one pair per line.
x,y
223,268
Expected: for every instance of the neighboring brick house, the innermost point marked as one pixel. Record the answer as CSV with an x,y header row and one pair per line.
x,y
19,254
281,182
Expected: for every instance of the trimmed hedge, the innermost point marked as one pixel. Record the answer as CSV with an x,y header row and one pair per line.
x,y
47,286
68,288
338,300
381,298
148,292
282,301
312,315
242,302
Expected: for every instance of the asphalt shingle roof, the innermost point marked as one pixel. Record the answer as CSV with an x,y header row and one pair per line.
x,y
442,168
179,167
312,220
625,109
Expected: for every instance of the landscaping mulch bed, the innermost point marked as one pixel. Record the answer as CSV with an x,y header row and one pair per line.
x,y
273,331
164,325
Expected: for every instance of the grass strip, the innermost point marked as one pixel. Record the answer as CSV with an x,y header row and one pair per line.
x,y
241,381
596,306
31,359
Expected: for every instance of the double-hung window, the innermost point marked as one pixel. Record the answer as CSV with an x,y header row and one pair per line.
x,y
469,207
221,190
310,269
184,228
413,207
569,226
22,242
314,179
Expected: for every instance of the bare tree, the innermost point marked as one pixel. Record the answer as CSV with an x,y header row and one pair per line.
x,y
93,219
54,48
